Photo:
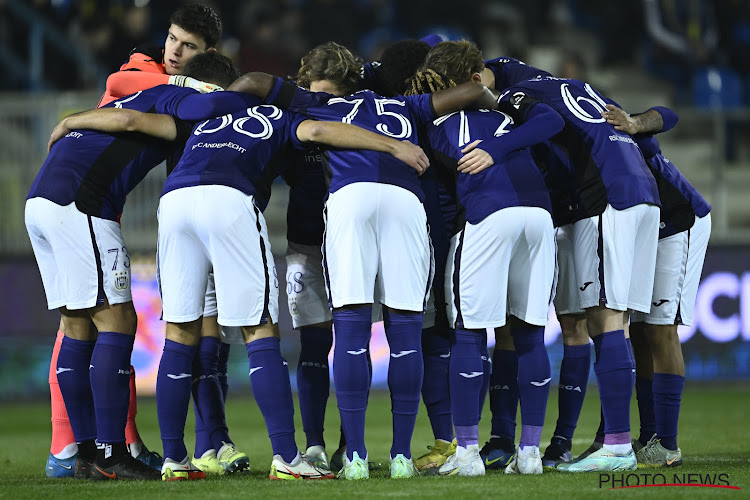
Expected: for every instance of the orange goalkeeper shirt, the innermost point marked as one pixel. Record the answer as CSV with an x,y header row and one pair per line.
x,y
143,70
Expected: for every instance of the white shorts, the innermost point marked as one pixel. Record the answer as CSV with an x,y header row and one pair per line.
x,y
210,309
377,232
428,320
679,262
229,334
503,265
305,285
82,259
566,295
215,227
615,257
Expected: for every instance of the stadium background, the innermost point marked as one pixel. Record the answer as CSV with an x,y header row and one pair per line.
x,y
55,57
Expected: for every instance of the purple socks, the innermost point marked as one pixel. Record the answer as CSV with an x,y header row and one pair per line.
x,y
222,368
208,400
351,374
313,383
110,385
436,352
667,399
75,386
405,373
645,394
504,393
269,378
173,384
614,373
466,373
574,377
534,380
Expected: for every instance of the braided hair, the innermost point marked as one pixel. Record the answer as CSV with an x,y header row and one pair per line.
x,y
427,81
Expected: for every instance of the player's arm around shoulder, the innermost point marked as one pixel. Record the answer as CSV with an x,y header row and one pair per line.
x,y
470,95
654,120
256,83
112,120
535,123
347,136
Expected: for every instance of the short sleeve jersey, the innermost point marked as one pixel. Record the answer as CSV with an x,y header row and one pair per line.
x,y
514,180
97,170
235,150
509,71
606,165
396,117
681,202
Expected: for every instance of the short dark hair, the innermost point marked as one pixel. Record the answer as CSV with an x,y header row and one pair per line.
x,y
200,20
212,67
399,63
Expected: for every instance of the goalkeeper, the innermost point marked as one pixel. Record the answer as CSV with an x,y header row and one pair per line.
x,y
193,29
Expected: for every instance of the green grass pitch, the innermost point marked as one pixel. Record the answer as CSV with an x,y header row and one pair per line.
x,y
714,437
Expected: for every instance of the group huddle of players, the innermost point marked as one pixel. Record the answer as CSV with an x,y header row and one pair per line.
x,y
538,189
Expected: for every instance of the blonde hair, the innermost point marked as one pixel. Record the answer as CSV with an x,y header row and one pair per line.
x,y
457,61
428,81
333,62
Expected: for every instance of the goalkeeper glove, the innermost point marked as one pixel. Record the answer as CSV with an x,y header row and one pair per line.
x,y
186,81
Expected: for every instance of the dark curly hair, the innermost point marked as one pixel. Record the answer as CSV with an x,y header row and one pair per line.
x,y
398,64
200,20
331,61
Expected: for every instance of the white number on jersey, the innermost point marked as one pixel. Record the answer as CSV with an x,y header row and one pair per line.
x,y
354,102
239,124
464,133
118,104
380,105
573,104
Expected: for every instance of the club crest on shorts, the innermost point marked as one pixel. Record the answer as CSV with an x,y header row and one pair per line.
x,y
122,280
293,309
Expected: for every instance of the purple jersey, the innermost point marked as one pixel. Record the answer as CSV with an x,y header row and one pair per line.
x,y
509,71
369,77
396,117
237,150
606,165
513,181
97,170
308,189
681,202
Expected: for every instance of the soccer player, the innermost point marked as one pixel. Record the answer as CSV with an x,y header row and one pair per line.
x,y
332,68
72,216
501,370
684,230
398,65
508,234
183,295
375,229
614,245
573,388
193,29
